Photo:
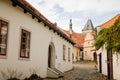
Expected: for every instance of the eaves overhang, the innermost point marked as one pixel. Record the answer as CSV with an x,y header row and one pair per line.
x,y
36,14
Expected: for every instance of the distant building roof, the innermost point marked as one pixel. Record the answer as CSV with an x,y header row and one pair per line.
x,y
88,26
110,22
77,38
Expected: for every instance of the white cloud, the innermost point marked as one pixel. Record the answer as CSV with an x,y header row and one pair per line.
x,y
85,9
96,5
45,9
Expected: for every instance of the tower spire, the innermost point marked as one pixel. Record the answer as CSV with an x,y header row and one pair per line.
x,y
70,27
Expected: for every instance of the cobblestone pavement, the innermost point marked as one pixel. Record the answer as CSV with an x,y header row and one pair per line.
x,y
84,70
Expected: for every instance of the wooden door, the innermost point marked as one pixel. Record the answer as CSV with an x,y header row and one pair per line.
x,y
95,57
100,63
49,57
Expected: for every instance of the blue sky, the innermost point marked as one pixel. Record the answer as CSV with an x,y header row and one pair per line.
x,y
59,11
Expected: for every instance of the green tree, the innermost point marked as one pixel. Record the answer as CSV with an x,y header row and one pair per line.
x,y
110,37
115,34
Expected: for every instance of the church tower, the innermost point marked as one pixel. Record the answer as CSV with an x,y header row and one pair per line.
x,y
70,28
89,37
88,27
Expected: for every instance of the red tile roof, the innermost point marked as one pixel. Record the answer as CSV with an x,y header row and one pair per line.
x,y
110,22
77,38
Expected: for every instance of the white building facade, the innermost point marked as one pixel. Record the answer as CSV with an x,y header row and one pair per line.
x,y
102,54
30,45
102,63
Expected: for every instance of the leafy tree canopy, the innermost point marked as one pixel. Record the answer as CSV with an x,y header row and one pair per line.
x,y
110,37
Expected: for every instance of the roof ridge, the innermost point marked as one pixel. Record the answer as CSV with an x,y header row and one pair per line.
x,y
88,25
73,31
116,16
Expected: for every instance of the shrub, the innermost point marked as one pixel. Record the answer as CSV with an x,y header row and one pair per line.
x,y
34,77
13,79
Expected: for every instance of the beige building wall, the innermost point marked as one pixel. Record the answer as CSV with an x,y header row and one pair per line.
x,y
41,38
76,54
88,46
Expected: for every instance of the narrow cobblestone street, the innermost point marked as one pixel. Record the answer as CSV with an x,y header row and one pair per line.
x,y
84,71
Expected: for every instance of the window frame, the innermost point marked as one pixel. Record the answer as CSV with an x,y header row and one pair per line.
x,y
6,41
29,33
64,52
68,54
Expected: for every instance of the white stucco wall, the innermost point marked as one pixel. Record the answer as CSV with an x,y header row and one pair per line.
x,y
104,59
116,63
41,37
116,66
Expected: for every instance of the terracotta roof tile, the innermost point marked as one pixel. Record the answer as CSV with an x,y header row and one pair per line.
x,y
77,38
110,22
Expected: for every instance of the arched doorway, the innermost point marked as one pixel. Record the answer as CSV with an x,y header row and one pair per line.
x,y
51,56
81,55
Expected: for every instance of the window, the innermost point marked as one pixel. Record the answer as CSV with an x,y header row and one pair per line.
x,y
85,53
3,37
88,42
25,44
64,51
69,54
92,43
